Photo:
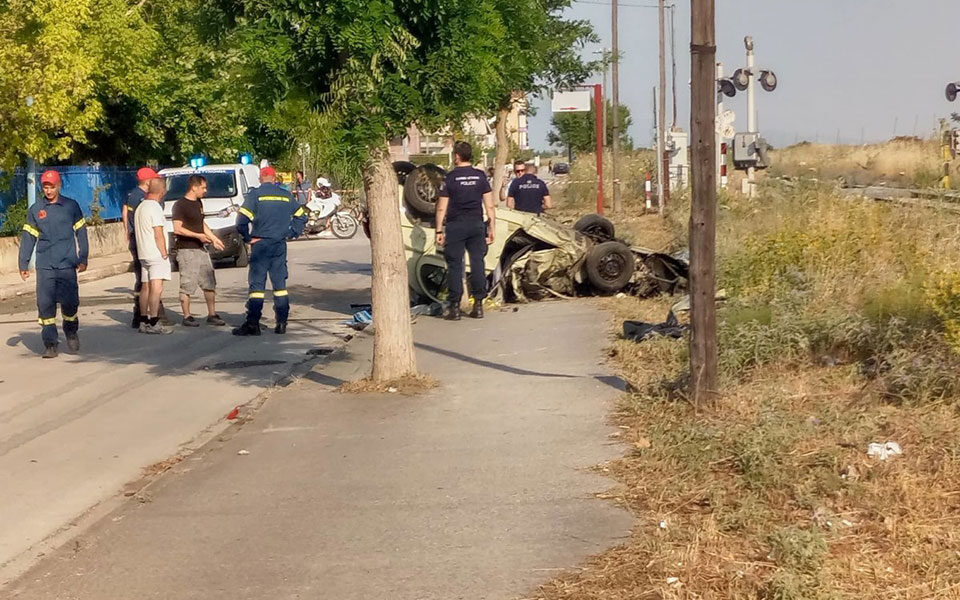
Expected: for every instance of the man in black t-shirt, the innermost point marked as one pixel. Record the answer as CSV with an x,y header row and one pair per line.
x,y
193,260
529,193
464,194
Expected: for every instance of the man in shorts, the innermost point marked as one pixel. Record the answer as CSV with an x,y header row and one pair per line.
x,y
196,268
154,261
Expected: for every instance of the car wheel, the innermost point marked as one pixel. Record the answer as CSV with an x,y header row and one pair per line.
x,y
595,227
403,168
609,267
422,187
242,259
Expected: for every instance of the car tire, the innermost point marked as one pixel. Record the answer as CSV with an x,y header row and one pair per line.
x,y
243,259
403,168
609,267
596,227
422,187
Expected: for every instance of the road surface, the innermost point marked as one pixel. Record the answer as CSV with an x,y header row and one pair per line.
x,y
75,430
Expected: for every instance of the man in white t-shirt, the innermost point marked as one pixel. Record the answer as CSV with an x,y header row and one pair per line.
x,y
152,249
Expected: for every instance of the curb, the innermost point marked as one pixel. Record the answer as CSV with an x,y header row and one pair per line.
x,y
29,287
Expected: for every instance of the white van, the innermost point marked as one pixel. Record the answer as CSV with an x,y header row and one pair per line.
x,y
226,187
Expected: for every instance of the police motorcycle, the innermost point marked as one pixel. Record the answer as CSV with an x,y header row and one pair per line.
x,y
324,213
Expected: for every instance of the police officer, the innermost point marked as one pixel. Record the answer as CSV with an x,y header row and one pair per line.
x,y
56,227
275,217
529,193
464,194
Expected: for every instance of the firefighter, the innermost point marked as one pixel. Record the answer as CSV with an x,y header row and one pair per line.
x,y
269,217
56,227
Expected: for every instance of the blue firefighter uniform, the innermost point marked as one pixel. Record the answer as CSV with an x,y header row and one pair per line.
x,y
56,229
272,216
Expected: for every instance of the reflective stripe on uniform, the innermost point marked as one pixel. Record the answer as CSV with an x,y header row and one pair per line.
x,y
70,318
279,292
274,199
79,224
50,321
300,212
258,295
247,213
31,230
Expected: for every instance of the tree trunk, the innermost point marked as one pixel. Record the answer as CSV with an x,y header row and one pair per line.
x,y
393,355
503,151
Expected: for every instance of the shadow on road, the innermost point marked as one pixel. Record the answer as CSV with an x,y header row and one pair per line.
x,y
492,365
342,266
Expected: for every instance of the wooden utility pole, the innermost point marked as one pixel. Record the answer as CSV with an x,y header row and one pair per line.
x,y
664,183
615,143
673,60
703,210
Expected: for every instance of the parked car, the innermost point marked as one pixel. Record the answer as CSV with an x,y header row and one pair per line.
x,y
561,168
226,187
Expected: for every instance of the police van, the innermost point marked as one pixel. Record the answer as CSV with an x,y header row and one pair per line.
x,y
226,187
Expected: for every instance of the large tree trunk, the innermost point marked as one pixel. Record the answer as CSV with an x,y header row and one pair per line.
x,y
393,355
503,150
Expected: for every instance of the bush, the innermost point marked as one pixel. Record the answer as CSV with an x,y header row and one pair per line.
x,y
14,218
943,293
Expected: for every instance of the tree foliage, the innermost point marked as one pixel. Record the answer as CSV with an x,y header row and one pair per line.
x,y
60,54
578,131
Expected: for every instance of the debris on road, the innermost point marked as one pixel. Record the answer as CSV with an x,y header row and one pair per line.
x,y
243,452
884,451
321,351
233,414
638,331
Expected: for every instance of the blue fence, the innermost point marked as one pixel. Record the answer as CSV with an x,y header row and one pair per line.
x,y
81,184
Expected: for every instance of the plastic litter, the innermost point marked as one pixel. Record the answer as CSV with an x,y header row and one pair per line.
x,y
361,319
884,451
233,414
243,452
639,331
430,310
673,581
663,524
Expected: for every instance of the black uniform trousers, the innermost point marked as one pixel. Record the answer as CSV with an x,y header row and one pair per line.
x,y
470,236
57,286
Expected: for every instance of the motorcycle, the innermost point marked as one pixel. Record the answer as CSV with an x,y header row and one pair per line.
x,y
324,213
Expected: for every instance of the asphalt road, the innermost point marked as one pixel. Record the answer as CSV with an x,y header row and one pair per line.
x,y
75,430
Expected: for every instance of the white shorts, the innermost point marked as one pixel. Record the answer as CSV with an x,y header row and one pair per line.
x,y
154,268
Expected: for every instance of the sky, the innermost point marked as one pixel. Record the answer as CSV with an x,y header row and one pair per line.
x,y
863,69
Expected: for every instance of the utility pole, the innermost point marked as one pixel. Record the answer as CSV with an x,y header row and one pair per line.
x,y
657,110
615,143
606,91
751,111
663,184
673,60
703,209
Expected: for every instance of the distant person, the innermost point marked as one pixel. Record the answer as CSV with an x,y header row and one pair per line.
x,y
134,198
519,168
268,218
464,194
301,189
529,193
193,260
56,228
154,260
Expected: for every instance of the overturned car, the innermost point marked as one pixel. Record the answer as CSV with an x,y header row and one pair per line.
x,y
532,257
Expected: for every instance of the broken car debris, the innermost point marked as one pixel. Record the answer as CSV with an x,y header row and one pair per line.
x,y
532,257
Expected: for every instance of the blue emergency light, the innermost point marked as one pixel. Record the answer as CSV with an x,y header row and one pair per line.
x,y
198,161
246,159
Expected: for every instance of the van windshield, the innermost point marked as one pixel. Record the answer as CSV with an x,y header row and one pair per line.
x,y
219,185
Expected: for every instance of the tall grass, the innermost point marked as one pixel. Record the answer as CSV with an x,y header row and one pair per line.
x,y
905,162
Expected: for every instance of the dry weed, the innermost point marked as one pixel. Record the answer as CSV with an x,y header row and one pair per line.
x,y
411,385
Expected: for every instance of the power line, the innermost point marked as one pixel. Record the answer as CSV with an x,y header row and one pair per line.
x,y
630,4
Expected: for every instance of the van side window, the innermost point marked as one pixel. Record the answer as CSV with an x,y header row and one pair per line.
x,y
244,188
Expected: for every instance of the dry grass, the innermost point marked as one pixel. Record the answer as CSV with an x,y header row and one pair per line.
x,y
906,162
769,493
411,385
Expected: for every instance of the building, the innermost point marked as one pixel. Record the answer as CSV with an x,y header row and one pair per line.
x,y
417,143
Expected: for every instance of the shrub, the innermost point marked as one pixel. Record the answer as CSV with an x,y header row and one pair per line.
x,y
14,218
943,293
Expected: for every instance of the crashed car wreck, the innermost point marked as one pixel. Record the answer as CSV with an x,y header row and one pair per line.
x,y
532,257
